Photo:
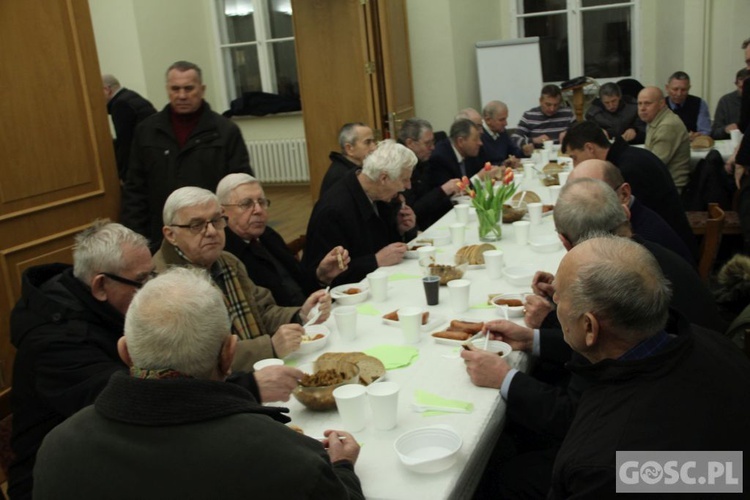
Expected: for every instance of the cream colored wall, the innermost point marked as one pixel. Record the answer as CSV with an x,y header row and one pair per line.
x,y
152,34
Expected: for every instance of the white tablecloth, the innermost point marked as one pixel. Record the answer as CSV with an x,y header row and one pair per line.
x,y
437,370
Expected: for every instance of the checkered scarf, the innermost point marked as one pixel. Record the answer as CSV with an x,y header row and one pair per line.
x,y
240,313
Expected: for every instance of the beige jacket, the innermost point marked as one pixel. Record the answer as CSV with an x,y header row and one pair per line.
x,y
268,315
667,138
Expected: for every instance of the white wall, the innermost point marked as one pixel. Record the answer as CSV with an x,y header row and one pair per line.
x,y
701,37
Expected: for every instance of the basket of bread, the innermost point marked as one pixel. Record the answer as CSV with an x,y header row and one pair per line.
x,y
702,142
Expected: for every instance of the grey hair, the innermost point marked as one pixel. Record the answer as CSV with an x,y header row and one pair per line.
x,y
178,320
110,81
389,157
492,108
188,196
183,66
348,134
462,128
678,75
468,114
99,249
586,207
624,286
231,182
610,89
413,128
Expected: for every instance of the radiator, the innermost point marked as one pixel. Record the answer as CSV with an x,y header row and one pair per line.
x,y
279,161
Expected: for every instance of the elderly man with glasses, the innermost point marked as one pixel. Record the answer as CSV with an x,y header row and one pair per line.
x,y
194,236
262,250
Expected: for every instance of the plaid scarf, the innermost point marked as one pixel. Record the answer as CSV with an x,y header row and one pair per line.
x,y
225,277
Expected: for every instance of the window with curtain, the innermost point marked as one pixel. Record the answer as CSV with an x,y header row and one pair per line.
x,y
581,37
257,46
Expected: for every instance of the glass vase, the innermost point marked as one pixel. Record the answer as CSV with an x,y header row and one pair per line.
x,y
490,224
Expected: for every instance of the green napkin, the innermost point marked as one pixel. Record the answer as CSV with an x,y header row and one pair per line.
x,y
481,305
403,276
394,356
425,398
368,310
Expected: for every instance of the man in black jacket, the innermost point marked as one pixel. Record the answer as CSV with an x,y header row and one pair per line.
x,y
174,417
262,250
65,328
356,141
128,109
184,144
544,410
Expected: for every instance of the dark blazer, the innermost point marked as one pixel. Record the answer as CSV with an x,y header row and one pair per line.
x,y
653,186
340,166
496,151
429,202
650,226
346,217
445,166
128,109
262,270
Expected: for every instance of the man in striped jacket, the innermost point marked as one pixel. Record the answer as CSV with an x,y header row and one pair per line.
x,y
546,122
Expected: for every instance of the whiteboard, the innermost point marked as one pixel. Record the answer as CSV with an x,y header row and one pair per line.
x,y
510,71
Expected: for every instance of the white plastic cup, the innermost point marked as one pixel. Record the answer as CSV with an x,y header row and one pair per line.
x,y
346,321
548,145
458,233
410,319
544,155
554,192
493,262
521,231
736,137
458,291
563,176
383,398
535,212
259,365
378,281
351,402
462,213
426,255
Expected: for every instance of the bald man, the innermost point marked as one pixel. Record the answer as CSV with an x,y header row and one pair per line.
x,y
645,373
666,135
644,221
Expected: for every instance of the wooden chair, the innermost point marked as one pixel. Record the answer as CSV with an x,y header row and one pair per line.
x,y
711,228
297,246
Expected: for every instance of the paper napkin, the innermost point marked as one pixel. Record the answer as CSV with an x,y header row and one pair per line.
x,y
394,356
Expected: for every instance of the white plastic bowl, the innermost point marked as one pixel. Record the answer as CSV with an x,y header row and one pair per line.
x,y
519,275
339,294
513,311
494,346
545,244
314,345
428,449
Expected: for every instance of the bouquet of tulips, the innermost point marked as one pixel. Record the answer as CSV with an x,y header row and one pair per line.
x,y
488,200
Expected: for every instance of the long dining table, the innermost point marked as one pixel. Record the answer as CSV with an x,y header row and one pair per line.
x,y
437,369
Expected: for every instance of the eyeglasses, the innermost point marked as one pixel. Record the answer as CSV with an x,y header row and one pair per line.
x,y
249,204
126,281
218,223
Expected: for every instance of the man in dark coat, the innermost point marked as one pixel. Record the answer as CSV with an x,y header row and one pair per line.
x,y
649,178
185,144
617,114
128,109
458,156
65,328
174,415
429,202
539,408
356,141
364,214
651,384
262,250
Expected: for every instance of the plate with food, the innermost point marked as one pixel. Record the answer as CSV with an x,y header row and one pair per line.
x,y
458,332
314,339
411,252
349,294
429,321
514,302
